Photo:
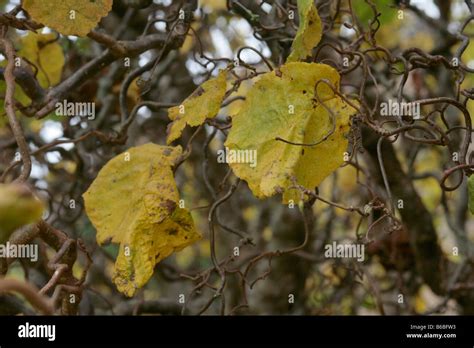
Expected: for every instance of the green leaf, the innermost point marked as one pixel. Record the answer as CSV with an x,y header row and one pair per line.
x,y
364,13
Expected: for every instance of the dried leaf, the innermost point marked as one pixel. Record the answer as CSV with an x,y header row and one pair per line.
x,y
135,202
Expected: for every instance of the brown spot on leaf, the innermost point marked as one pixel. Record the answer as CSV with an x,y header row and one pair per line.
x,y
169,205
198,92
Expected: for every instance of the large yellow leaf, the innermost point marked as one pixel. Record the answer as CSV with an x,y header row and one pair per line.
x,y
68,17
309,31
134,202
18,207
282,104
46,54
205,102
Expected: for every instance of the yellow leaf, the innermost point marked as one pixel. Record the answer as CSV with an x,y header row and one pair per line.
x,y
134,202
68,17
18,207
133,91
214,5
428,188
20,95
283,105
44,51
189,40
309,31
420,304
234,107
205,102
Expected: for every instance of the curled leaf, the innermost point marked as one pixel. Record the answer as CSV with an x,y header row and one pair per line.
x,y
309,32
280,117
204,103
134,201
